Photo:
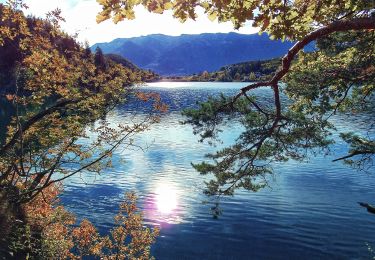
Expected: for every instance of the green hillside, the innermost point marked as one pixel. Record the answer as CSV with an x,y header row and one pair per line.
x,y
244,71
146,75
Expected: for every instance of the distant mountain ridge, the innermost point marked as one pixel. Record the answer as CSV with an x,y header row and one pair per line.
x,y
188,54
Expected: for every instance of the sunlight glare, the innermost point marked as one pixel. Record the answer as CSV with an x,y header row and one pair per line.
x,y
168,85
166,198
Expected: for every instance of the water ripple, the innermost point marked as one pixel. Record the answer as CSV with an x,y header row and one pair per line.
x,y
309,212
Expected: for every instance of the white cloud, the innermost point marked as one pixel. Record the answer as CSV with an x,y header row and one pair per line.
x,y
80,18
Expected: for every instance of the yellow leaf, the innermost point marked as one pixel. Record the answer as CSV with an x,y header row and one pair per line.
x,y
212,16
168,6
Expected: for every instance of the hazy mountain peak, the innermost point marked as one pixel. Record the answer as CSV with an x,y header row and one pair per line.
x,y
188,54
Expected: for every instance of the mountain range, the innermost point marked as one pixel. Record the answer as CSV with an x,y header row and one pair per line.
x,y
188,54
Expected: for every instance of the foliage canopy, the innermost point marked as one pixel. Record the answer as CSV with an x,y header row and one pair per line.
x,y
55,89
280,18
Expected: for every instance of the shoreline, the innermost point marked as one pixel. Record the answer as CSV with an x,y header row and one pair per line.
x,y
187,80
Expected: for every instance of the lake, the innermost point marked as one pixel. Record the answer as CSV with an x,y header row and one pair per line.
x,y
310,210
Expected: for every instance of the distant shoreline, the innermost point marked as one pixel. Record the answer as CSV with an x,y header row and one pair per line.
x,y
182,79
240,72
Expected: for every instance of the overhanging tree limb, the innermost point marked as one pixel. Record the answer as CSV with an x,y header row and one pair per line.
x,y
36,118
337,26
352,154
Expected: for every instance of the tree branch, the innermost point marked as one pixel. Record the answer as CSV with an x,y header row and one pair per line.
x,y
364,152
337,26
59,105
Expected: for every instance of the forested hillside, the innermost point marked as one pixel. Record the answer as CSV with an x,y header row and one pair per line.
x,y
146,75
244,71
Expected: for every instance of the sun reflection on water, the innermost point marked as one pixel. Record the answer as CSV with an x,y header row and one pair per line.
x,y
166,198
163,204
168,85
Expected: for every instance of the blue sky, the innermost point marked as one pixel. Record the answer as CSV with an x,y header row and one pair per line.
x,y
80,18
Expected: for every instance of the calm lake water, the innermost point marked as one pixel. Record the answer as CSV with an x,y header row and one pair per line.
x,y
310,210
